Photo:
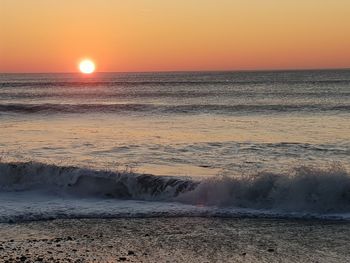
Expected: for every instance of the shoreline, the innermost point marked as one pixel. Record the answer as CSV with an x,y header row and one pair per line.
x,y
183,239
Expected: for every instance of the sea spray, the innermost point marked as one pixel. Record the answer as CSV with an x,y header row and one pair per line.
x,y
305,189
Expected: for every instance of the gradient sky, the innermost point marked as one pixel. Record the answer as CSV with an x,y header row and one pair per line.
x,y
157,35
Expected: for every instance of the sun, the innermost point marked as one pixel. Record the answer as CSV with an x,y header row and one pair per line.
x,y
87,66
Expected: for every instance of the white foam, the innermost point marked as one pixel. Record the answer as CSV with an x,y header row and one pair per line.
x,y
32,206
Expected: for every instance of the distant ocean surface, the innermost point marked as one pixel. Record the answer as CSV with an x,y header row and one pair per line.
x,y
175,144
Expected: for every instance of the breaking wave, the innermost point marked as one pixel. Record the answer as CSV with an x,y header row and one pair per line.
x,y
305,189
87,182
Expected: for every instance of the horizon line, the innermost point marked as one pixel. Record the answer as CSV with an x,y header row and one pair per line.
x,y
187,71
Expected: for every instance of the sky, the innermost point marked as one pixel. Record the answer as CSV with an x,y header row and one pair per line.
x,y
181,35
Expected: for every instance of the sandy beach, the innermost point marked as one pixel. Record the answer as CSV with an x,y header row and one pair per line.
x,y
175,240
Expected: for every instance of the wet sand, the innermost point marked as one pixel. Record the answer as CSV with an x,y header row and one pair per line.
x,y
175,240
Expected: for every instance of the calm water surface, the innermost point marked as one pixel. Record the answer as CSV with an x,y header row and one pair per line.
x,y
193,124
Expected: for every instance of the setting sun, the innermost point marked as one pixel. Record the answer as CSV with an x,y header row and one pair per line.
x,y
87,66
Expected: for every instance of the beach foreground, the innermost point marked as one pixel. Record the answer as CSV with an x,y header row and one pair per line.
x,y
175,240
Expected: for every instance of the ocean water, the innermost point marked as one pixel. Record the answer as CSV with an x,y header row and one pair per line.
x,y
171,144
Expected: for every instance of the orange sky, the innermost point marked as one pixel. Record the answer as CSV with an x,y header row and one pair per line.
x,y
157,35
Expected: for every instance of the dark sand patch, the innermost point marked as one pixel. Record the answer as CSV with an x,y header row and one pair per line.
x,y
175,240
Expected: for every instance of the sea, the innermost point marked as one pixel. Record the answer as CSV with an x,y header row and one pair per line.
x,y
170,144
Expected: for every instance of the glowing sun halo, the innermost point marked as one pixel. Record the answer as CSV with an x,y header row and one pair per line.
x,y
86,66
